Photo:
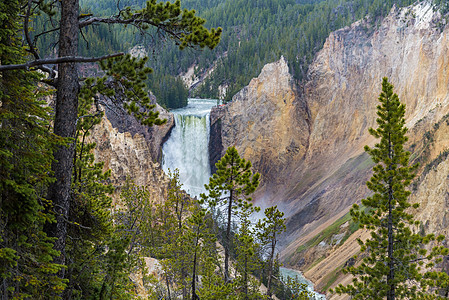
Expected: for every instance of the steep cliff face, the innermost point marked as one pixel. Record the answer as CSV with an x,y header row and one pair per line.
x,y
128,155
308,145
344,83
267,123
155,135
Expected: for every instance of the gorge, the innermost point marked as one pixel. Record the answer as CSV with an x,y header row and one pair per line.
x,y
187,149
88,206
307,140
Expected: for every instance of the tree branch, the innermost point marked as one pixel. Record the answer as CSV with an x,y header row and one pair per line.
x,y
44,32
135,20
27,31
59,60
110,20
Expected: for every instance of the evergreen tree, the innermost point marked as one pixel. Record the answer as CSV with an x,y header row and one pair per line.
x,y
247,261
395,253
230,186
177,246
297,289
127,244
183,26
27,269
269,228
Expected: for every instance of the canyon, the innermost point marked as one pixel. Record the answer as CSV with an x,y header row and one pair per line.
x,y
307,140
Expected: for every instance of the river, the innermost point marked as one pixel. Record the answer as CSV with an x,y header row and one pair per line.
x,y
285,272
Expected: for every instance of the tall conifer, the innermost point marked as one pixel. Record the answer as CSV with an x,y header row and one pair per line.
x,y
230,186
269,229
26,254
392,267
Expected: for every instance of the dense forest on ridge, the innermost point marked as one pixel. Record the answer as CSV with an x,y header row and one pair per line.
x,y
254,34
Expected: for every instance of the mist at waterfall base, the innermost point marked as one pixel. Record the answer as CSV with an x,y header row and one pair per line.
x,y
187,148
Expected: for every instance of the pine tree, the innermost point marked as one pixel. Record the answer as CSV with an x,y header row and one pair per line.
x,y
27,268
230,186
297,289
269,228
247,261
127,244
395,254
178,237
182,26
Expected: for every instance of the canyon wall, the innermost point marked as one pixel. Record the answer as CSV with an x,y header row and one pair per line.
x,y
308,142
133,154
268,124
154,135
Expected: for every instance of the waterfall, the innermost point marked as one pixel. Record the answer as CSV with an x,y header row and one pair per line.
x,y
187,149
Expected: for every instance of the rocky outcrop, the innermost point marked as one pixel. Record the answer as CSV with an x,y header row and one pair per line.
x,y
308,144
267,122
128,155
343,84
155,135
215,139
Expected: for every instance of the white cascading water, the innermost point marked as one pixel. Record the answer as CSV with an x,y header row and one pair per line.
x,y
187,148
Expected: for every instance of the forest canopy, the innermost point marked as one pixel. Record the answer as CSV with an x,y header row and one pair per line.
x,y
254,33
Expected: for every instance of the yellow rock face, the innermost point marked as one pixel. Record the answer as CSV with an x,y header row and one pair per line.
x,y
308,142
126,155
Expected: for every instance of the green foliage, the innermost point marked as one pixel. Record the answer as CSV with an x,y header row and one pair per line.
x,y
298,290
213,285
230,186
395,258
257,33
246,251
254,33
269,228
170,91
99,248
180,237
129,242
126,76
26,254
234,177
91,245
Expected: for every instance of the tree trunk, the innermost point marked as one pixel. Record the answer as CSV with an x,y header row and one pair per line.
x,y
270,267
228,238
65,125
245,278
167,282
390,276
391,263
194,295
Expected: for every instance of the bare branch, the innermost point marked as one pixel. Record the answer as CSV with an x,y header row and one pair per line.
x,y
59,60
84,38
44,32
136,20
27,32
